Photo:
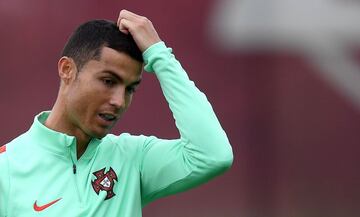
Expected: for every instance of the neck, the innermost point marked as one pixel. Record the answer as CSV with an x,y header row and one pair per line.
x,y
60,122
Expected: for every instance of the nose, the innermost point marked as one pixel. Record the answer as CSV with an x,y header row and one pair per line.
x,y
118,98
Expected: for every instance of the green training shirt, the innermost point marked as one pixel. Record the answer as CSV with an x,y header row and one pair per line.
x,y
117,175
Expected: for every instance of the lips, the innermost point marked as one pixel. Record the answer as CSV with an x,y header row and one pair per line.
x,y
108,117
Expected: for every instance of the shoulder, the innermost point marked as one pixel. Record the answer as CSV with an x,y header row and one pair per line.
x,y
125,139
19,143
4,179
2,155
15,151
125,142
2,149
3,160
129,143
126,146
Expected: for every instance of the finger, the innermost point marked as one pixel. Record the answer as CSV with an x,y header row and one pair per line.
x,y
124,26
124,14
129,15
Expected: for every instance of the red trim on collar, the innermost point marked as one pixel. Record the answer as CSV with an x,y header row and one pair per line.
x,y
2,149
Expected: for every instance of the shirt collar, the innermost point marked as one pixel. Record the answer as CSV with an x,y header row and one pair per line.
x,y
57,142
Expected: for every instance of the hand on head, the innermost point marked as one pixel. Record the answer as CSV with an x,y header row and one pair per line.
x,y
141,29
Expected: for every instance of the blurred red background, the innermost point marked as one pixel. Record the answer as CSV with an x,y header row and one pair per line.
x,y
295,138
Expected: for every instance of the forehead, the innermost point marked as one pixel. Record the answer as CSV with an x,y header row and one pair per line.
x,y
120,63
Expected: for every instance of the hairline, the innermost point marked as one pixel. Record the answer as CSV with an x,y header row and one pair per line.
x,y
97,53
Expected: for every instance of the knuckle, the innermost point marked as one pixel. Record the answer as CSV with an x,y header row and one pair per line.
x,y
144,20
123,13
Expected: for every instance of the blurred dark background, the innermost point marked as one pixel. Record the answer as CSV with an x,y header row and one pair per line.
x,y
295,137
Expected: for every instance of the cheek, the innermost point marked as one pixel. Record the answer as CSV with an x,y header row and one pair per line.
x,y
85,100
77,107
92,100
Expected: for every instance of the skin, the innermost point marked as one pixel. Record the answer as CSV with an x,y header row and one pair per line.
x,y
103,86
139,27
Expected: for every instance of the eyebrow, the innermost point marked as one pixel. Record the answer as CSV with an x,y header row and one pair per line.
x,y
137,82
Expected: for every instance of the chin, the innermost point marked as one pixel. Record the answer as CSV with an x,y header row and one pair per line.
x,y
99,134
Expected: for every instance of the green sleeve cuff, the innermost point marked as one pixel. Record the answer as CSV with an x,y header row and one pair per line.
x,y
152,53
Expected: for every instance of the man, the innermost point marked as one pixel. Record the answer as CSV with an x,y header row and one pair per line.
x,y
68,165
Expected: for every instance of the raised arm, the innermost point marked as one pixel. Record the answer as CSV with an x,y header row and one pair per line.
x,y
203,151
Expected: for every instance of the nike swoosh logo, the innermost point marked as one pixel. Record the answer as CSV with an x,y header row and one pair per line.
x,y
41,208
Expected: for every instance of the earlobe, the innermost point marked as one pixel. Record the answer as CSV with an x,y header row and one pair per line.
x,y
67,69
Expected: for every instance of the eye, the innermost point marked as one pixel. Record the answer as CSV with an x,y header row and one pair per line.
x,y
131,89
108,82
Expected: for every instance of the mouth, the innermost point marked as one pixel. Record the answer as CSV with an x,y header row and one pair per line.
x,y
107,117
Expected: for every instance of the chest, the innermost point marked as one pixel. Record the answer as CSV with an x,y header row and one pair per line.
x,y
53,186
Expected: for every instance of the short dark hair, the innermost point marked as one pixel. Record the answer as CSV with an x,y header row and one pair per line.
x,y
89,38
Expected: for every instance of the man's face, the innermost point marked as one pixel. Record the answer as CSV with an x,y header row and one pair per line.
x,y
102,92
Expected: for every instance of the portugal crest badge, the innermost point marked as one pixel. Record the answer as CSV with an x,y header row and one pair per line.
x,y
105,182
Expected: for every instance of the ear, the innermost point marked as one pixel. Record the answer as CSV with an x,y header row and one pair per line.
x,y
67,69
